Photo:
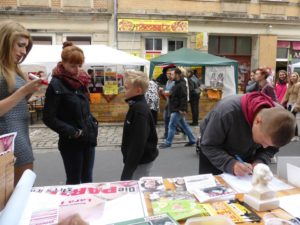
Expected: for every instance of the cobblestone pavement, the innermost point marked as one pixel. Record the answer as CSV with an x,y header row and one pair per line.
x,y
109,137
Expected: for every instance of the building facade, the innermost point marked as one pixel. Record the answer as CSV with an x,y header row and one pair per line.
x,y
254,32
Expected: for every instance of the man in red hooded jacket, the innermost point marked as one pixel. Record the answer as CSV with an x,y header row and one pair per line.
x,y
248,128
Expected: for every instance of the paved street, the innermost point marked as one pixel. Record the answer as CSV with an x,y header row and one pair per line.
x,y
172,162
109,137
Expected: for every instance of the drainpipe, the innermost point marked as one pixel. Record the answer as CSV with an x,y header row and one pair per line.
x,y
115,24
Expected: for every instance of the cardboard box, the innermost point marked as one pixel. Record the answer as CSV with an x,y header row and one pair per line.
x,y
6,177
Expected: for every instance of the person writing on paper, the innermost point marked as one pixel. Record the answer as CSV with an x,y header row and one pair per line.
x,y
249,126
15,90
67,112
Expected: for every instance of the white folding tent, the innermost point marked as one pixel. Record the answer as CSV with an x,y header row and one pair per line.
x,y
95,55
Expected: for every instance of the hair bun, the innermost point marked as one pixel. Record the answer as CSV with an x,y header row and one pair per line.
x,y
67,43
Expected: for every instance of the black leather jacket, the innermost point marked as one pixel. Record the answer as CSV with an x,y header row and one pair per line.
x,y
67,111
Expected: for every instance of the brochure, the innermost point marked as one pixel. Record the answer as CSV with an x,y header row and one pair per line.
x,y
178,204
237,211
7,142
197,182
216,193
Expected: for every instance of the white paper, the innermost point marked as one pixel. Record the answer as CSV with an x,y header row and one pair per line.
x,y
244,185
291,204
293,175
199,182
41,209
15,206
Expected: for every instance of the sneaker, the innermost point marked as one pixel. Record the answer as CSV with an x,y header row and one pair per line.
x,y
189,144
296,138
164,146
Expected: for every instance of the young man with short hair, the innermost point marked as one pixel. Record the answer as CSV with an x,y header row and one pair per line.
x,y
139,141
249,127
178,108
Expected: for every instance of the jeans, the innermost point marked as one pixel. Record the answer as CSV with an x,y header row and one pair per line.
x,y
79,165
175,119
166,121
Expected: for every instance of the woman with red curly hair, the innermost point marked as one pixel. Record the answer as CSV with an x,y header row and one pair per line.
x,y
67,112
260,77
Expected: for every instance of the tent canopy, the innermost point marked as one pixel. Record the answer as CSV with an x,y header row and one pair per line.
x,y
95,55
189,57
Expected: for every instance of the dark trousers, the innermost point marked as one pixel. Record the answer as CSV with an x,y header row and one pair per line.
x,y
154,115
194,101
79,165
205,165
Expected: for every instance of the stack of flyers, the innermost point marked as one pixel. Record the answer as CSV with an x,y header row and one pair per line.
x,y
163,219
199,182
218,192
178,182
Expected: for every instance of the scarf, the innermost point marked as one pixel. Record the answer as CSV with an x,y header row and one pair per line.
x,y
253,102
75,81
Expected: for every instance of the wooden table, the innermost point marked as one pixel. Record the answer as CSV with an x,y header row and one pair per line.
x,y
170,186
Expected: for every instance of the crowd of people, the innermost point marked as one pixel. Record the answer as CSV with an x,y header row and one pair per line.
x,y
251,127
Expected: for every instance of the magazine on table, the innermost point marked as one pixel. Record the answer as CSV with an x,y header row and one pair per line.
x,y
151,184
178,183
237,211
163,219
178,204
7,143
216,193
97,203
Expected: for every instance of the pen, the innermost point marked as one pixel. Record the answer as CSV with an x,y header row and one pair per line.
x,y
242,161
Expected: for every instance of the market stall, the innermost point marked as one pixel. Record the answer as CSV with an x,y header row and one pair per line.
x,y
220,74
108,64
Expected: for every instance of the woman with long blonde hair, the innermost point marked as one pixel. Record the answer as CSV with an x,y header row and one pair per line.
x,y
15,89
291,99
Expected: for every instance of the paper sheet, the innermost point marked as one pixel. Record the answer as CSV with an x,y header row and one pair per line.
x,y
291,204
14,208
243,184
293,175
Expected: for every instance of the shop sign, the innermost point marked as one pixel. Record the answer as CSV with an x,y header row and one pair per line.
x,y
136,25
201,40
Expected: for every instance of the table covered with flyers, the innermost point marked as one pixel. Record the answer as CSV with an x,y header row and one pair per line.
x,y
154,200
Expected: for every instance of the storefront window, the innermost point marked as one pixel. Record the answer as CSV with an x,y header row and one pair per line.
x,y
282,53
174,45
243,46
79,40
42,40
153,44
213,46
227,45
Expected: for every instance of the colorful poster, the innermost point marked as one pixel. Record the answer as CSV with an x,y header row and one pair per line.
x,y
136,25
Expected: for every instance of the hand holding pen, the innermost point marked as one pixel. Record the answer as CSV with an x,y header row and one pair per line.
x,y
242,168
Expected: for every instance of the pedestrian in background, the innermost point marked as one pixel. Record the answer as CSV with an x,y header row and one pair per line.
x,y
139,140
67,112
152,98
194,96
15,90
264,86
281,85
291,100
165,94
178,108
251,85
